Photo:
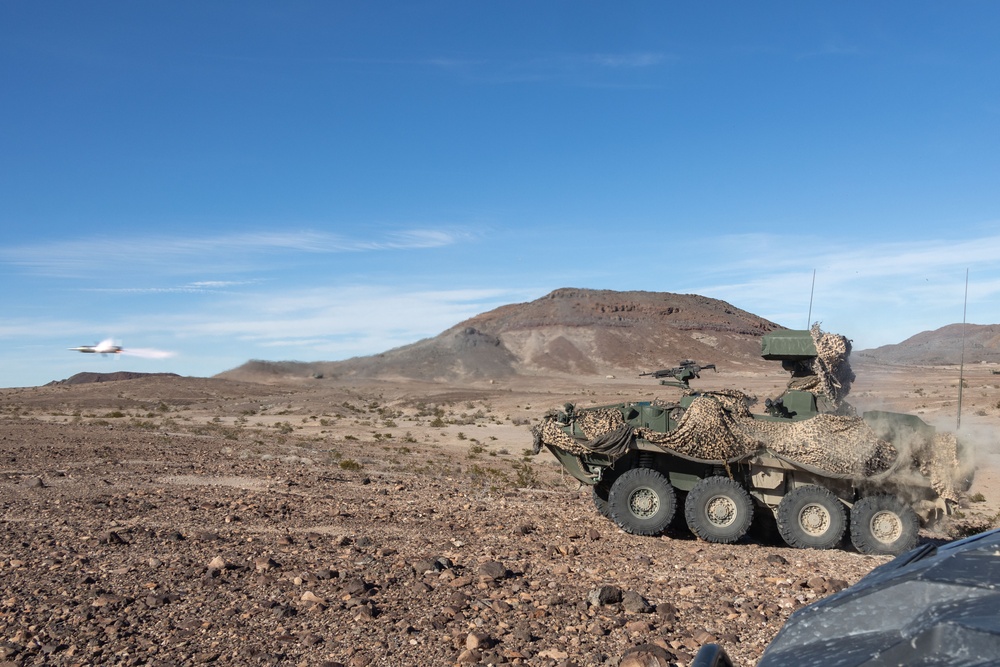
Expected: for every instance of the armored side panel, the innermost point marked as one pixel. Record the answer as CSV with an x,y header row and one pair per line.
x,y
789,345
896,427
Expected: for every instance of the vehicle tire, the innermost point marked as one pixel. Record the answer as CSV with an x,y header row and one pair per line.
x,y
811,517
600,492
718,509
883,525
642,501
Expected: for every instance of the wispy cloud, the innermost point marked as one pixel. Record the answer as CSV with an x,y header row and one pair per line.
x,y
567,68
627,60
197,287
881,292
184,254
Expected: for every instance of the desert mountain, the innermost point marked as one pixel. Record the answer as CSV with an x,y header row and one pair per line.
x,y
939,347
574,331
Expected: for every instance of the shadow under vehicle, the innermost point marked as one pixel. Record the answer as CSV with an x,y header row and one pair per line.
x,y
809,460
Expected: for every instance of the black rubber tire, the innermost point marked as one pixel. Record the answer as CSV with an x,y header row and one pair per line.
x,y
812,517
884,525
642,501
718,509
600,493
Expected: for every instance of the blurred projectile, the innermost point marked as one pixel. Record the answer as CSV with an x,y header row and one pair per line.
x,y
108,346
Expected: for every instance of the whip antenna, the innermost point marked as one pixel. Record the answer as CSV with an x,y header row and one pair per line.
x,y
811,290
961,363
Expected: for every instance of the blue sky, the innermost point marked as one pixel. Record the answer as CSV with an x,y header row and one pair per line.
x,y
319,180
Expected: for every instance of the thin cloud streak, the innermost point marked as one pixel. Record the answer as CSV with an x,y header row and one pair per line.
x,y
74,258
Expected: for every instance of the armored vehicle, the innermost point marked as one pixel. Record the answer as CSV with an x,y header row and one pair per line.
x,y
808,460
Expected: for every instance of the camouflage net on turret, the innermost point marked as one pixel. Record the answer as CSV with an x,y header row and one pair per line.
x,y
829,373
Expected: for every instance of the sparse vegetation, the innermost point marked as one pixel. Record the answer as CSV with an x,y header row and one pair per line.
x,y
350,464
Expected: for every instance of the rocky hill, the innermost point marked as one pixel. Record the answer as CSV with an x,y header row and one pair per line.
x,y
575,331
87,378
940,347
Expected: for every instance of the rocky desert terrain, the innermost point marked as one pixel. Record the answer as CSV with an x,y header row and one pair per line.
x,y
388,510
165,520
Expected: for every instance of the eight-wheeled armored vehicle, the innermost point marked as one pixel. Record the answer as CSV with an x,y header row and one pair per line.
x,y
809,459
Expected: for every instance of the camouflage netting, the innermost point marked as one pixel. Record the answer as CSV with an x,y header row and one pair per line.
x,y
943,465
829,373
719,427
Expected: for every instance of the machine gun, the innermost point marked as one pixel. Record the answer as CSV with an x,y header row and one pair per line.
x,y
682,374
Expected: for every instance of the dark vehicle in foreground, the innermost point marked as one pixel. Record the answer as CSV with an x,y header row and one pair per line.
x,y
809,460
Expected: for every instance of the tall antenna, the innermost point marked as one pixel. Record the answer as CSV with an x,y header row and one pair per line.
x,y
961,363
811,290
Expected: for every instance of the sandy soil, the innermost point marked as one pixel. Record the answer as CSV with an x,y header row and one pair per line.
x,y
180,521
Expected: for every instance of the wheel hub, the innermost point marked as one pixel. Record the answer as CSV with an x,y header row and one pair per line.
x,y
886,527
721,511
644,503
814,519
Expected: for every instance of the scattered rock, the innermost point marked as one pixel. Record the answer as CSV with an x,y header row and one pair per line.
x,y
605,595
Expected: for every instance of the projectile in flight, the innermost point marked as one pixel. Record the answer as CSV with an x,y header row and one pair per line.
x,y
104,347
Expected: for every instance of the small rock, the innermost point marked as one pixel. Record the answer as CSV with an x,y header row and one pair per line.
x,y
646,655
468,657
553,654
309,596
265,563
635,603
605,595
493,570
667,612
637,627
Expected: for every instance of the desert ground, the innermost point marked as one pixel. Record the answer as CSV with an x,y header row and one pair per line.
x,y
175,521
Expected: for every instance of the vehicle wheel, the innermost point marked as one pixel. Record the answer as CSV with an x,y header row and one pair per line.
x,y
642,501
600,493
883,525
718,510
811,517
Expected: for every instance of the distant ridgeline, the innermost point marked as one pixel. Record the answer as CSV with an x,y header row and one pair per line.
x,y
86,378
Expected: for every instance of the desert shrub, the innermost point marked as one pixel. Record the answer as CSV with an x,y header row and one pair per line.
x,y
525,475
437,422
497,480
977,498
350,464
